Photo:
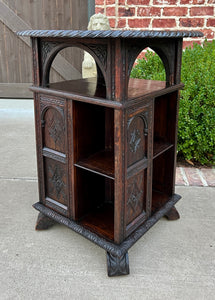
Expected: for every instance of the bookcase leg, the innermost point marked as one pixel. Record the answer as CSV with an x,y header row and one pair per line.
x,y
172,214
117,265
43,222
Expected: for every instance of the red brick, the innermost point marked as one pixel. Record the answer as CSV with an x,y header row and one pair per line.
x,y
149,11
165,2
193,177
163,23
175,11
179,178
211,2
112,22
202,11
126,12
110,11
208,33
109,2
142,55
139,23
189,22
99,10
121,23
211,22
190,43
99,2
209,176
138,2
121,2
193,2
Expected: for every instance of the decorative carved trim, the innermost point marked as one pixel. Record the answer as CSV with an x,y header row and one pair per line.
x,y
134,141
110,33
114,249
145,116
136,193
46,48
55,130
57,184
45,101
100,51
135,136
117,266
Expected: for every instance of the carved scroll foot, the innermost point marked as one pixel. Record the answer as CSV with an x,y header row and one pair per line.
x,y
172,214
117,265
43,222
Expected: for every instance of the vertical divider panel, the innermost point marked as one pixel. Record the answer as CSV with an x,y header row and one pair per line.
x,y
119,153
139,166
70,159
54,148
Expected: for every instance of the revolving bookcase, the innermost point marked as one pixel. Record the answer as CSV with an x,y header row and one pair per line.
x,y
106,146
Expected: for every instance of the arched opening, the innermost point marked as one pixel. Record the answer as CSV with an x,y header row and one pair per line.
x,y
149,66
73,69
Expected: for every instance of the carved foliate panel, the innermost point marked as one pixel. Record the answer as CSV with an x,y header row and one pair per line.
x,y
46,48
55,180
53,129
101,52
136,196
137,129
117,265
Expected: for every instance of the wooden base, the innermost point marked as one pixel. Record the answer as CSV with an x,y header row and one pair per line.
x,y
44,222
117,255
117,266
172,214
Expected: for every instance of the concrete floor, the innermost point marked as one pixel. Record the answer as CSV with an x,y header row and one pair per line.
x,y
174,260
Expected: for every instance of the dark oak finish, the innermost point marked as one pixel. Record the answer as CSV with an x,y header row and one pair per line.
x,y
106,146
44,222
172,214
117,266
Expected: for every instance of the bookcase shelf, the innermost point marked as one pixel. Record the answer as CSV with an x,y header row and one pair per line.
x,y
101,163
160,147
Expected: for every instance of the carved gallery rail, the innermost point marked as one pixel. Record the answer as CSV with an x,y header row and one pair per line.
x,y
106,146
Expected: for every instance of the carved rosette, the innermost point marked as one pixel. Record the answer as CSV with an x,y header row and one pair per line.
x,y
137,130
53,128
55,180
136,197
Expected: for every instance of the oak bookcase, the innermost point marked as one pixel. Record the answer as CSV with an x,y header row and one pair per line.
x,y
106,146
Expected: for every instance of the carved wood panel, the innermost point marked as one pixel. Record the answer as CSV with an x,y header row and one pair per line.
x,y
53,130
55,181
136,196
137,129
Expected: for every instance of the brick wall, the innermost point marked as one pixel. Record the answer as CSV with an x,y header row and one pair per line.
x,y
161,14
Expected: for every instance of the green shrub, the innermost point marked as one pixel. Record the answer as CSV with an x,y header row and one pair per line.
x,y
196,131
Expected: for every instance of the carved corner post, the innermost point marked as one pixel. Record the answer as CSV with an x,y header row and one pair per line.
x,y
37,75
